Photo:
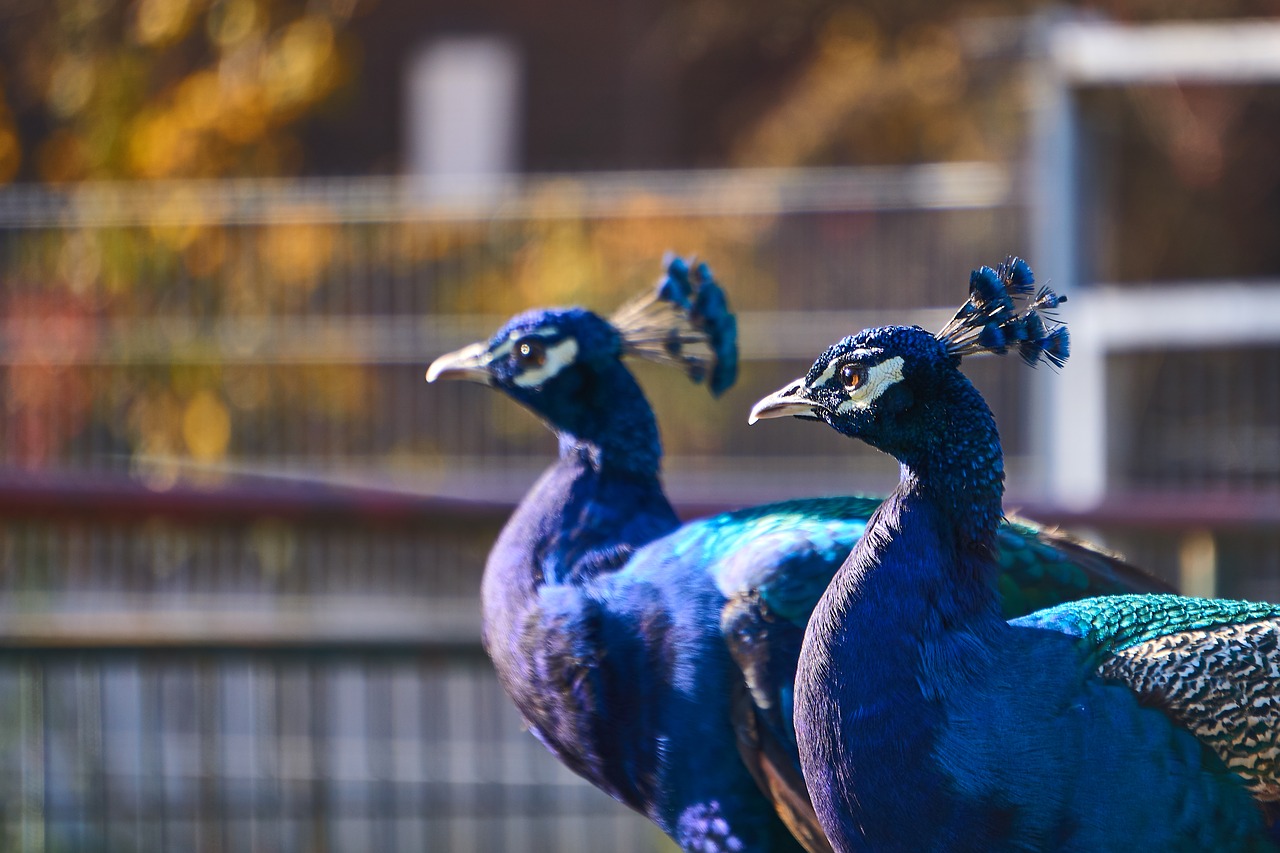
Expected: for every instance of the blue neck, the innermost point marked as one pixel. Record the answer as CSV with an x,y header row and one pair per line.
x,y
596,504
931,541
609,421
908,620
916,592
952,460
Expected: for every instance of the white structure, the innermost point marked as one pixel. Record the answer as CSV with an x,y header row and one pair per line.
x,y
1075,55
463,114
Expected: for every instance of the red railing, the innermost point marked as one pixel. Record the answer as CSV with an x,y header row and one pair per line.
x,y
246,498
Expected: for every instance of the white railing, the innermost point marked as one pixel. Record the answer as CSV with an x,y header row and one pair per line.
x,y
707,192
1074,55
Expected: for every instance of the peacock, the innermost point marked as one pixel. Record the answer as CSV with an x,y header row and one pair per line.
x,y
654,658
926,721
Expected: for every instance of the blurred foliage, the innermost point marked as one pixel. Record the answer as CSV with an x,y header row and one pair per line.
x,y
1188,183
206,88
825,82
159,89
165,88
1186,180
870,94
177,89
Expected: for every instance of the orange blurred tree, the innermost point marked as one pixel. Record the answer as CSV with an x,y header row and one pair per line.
x,y
164,88
204,88
831,82
133,89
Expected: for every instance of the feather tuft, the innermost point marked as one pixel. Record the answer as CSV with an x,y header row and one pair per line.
x,y
684,321
1001,313
1047,301
1017,276
1057,346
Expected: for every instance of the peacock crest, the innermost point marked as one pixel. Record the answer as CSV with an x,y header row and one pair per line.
x,y
1004,311
684,321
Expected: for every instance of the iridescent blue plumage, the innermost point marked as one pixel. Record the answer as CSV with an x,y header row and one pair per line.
x,y
653,658
926,721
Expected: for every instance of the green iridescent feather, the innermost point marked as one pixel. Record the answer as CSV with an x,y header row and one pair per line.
x,y
1213,665
1113,623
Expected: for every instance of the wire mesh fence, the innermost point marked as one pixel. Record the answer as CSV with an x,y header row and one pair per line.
x,y
157,330
282,751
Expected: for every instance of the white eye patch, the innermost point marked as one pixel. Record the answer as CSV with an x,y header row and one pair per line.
x,y
880,378
506,346
559,356
502,349
829,374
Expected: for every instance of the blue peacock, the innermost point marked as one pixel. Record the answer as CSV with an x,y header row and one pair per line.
x,y
926,721
657,659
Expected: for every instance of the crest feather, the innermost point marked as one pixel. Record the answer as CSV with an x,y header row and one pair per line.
x,y
684,321
1001,314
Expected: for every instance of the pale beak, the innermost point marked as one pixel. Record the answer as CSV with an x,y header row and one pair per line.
x,y
785,402
470,363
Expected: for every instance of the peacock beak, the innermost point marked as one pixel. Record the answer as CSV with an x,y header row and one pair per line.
x,y
470,363
788,401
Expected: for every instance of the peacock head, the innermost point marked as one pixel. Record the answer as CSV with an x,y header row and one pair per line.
x,y
888,385
563,362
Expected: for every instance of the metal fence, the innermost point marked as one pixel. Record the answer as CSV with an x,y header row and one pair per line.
x,y
264,668
269,750
209,641
156,330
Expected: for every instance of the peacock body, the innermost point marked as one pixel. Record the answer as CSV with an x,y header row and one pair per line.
x,y
926,721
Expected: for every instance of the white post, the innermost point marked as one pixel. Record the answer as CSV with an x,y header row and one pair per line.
x,y
462,114
1068,430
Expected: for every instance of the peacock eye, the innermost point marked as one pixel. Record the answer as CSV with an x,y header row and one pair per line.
x,y
852,376
531,352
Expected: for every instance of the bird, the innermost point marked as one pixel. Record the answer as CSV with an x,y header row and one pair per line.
x,y
653,657
926,720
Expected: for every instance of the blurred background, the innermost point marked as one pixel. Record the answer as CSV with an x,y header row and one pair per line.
x,y
241,539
